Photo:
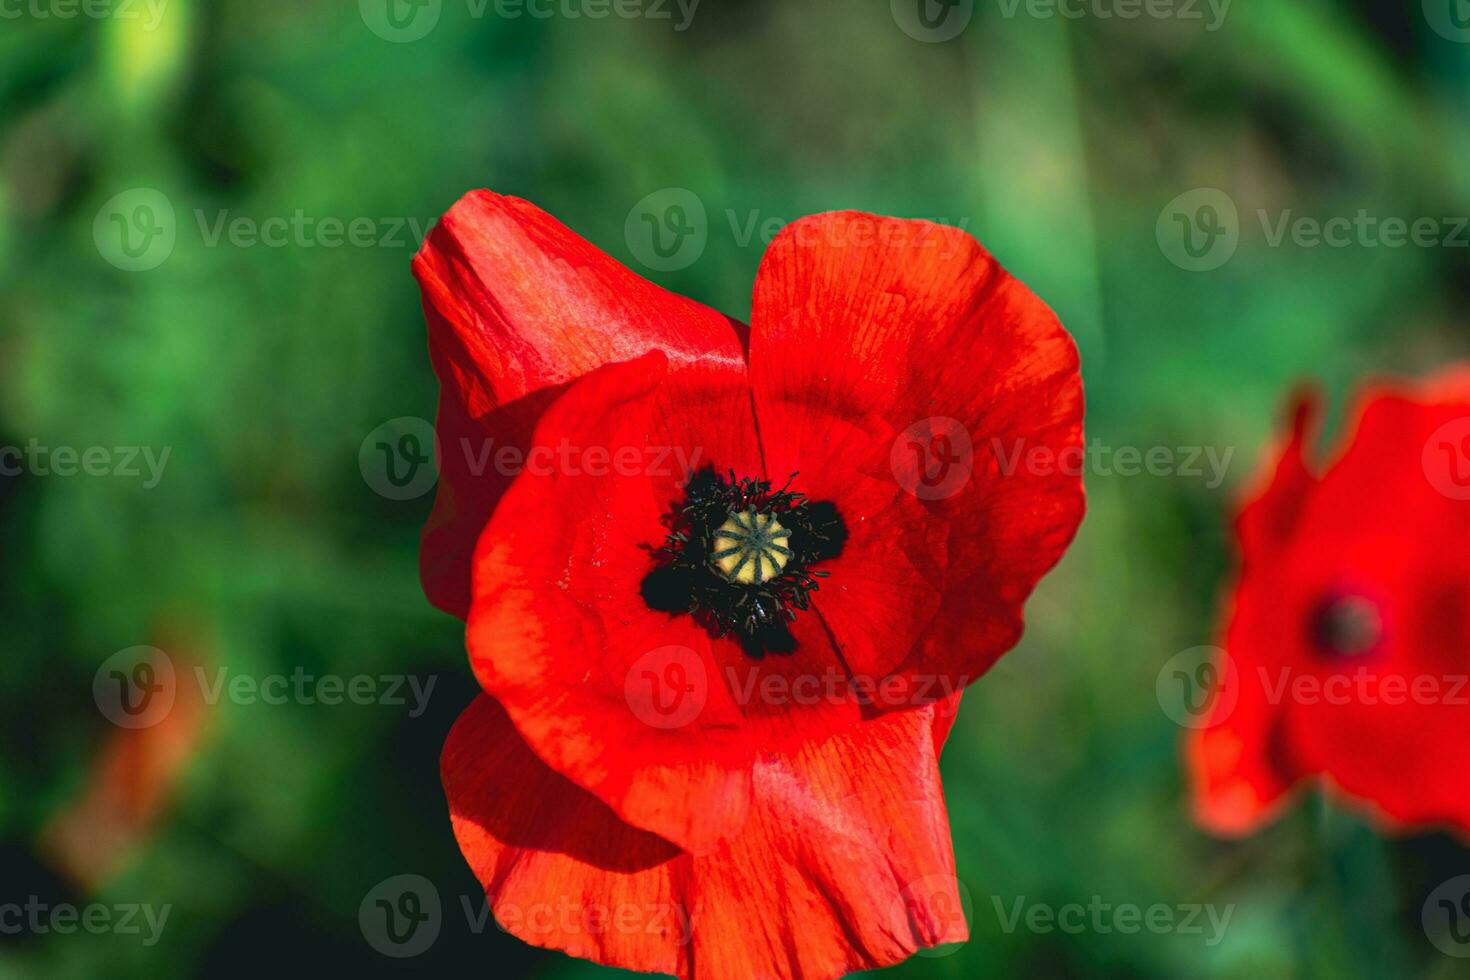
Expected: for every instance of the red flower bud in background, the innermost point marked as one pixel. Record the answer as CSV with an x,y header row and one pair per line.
x,y
1348,625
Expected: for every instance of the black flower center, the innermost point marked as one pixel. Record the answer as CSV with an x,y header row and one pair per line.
x,y
1346,626
739,558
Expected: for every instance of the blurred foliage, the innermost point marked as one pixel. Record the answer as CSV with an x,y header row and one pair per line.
x,y
1056,142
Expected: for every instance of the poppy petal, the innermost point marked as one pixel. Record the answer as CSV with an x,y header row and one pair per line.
x,y
1237,761
844,865
1238,764
1271,513
134,776
1386,726
876,341
641,707
518,305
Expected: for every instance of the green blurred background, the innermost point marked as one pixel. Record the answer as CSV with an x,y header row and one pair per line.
x,y
1059,142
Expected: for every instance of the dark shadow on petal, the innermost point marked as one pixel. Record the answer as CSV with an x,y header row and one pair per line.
x,y
493,779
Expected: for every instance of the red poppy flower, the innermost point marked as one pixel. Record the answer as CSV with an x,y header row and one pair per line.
x,y
1345,647
721,642
133,779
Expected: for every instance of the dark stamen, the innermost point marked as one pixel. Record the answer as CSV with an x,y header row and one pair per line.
x,y
1346,626
738,558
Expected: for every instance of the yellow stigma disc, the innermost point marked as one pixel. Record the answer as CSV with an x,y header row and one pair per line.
x,y
750,548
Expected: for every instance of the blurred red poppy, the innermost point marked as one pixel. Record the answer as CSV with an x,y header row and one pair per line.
x,y
1344,654
133,779
724,584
